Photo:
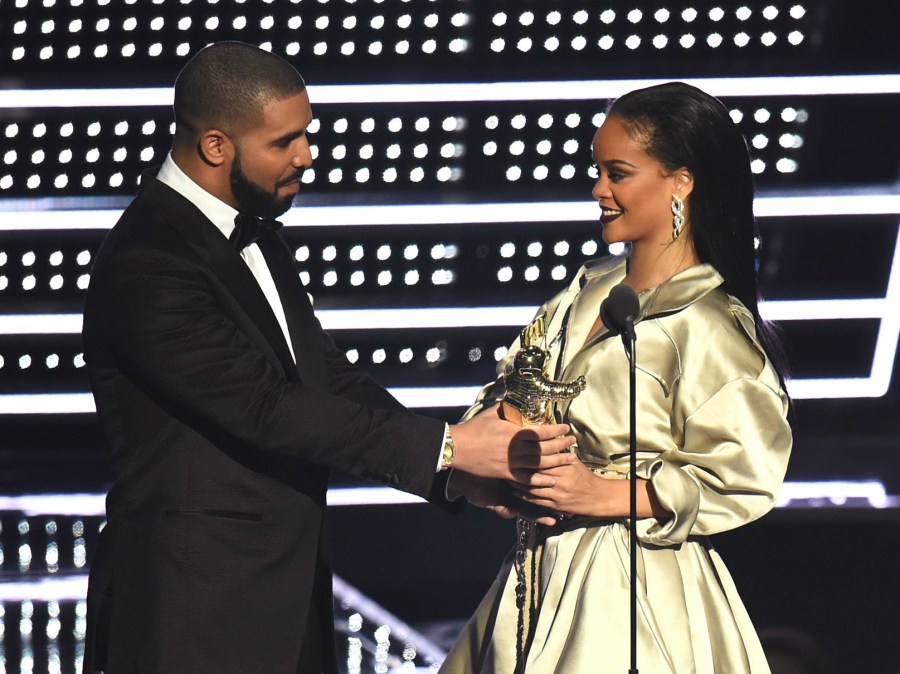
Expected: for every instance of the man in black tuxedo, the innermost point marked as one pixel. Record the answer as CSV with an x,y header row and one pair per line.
x,y
224,403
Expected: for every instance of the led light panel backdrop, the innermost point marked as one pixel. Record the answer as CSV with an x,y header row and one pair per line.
x,y
452,170
449,197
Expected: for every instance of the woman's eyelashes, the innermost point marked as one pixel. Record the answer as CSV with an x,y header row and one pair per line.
x,y
613,175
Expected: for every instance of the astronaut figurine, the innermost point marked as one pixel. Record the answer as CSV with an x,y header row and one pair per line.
x,y
530,394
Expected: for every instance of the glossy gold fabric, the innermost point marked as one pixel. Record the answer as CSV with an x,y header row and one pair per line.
x,y
713,439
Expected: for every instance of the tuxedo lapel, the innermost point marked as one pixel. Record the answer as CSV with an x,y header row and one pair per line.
x,y
214,249
302,324
237,277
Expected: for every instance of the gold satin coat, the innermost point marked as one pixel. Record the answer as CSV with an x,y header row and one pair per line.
x,y
713,439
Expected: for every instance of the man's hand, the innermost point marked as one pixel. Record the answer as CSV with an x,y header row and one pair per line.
x,y
484,492
488,446
494,495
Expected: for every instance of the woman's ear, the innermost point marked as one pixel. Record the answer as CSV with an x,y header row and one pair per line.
x,y
215,147
684,182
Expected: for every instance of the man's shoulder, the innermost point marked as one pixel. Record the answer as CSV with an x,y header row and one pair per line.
x,y
145,229
141,223
157,214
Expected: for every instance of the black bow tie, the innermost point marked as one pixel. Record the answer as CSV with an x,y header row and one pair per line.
x,y
248,229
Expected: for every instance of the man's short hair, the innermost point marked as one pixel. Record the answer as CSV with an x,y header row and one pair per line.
x,y
225,86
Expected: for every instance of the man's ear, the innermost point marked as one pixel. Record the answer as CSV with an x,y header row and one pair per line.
x,y
684,182
215,147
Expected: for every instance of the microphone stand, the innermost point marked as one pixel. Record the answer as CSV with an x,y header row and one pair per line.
x,y
618,313
630,340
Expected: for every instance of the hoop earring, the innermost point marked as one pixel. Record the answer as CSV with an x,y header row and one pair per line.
x,y
677,216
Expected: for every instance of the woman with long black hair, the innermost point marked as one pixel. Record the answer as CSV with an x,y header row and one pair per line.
x,y
673,182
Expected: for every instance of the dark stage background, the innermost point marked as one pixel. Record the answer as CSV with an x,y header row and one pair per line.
x,y
451,195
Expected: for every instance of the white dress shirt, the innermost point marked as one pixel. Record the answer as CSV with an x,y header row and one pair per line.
x,y
222,216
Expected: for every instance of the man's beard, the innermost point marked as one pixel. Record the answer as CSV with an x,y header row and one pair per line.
x,y
253,199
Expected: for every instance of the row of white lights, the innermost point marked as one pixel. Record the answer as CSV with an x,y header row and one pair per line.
x,y
368,125
330,278
686,41
459,19
457,45
662,15
416,175
357,252
379,356
56,258
439,251
128,50
52,361
130,24
339,126
411,277
444,174
389,175
56,282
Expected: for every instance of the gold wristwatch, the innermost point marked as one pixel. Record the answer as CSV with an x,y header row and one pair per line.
x,y
448,450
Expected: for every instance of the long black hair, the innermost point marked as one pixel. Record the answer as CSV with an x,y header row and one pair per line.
x,y
682,126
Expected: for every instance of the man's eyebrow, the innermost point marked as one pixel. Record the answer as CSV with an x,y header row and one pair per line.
x,y
289,136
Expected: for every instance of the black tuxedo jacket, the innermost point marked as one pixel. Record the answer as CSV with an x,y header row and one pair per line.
x,y
215,558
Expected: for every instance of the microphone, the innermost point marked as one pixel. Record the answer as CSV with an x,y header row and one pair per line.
x,y
619,311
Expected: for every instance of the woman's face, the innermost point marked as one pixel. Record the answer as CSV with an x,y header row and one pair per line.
x,y
634,189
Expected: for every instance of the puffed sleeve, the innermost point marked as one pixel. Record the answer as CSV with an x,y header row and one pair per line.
x,y
729,468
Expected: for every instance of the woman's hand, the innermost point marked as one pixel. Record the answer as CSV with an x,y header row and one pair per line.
x,y
575,491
